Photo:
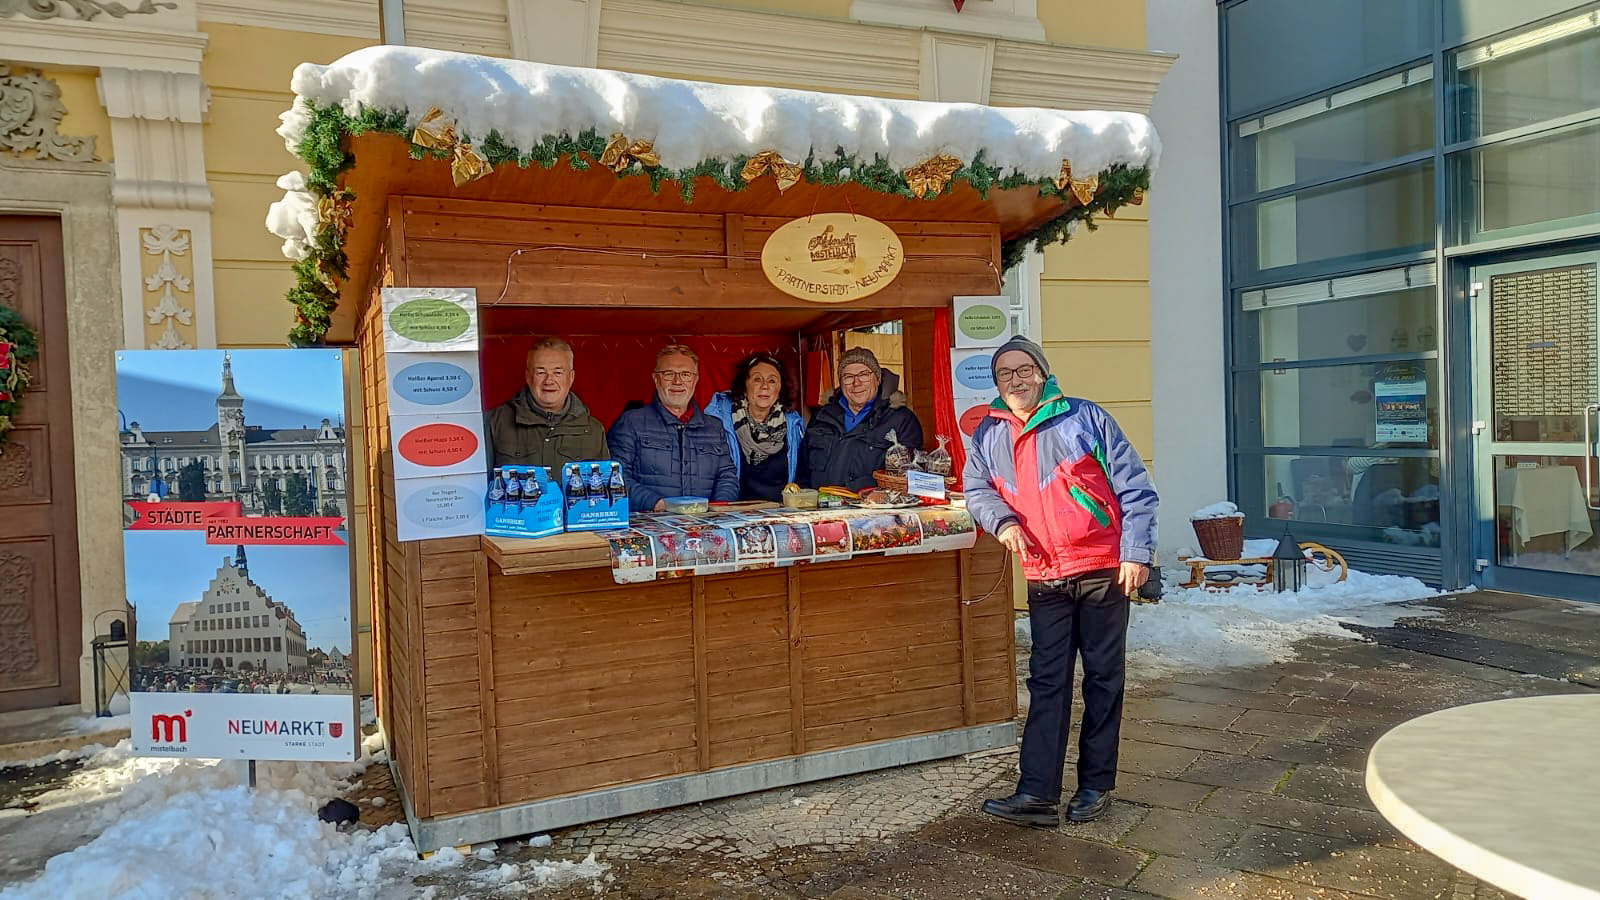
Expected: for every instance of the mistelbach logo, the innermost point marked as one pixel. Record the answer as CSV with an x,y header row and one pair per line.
x,y
171,729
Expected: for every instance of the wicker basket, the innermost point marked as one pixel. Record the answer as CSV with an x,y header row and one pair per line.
x,y
898,482
1220,538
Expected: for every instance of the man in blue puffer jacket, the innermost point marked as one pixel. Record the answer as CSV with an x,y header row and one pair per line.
x,y
670,448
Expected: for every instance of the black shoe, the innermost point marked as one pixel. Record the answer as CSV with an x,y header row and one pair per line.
x,y
1024,809
1087,805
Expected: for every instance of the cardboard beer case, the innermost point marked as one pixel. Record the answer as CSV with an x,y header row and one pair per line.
x,y
524,502
595,495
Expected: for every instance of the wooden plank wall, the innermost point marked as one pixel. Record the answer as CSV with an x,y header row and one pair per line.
x,y
598,684
701,260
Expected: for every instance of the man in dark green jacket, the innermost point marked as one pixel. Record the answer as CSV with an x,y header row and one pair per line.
x,y
545,424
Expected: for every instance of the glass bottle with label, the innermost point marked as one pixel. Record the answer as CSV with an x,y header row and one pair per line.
x,y
597,487
575,487
615,489
532,485
497,487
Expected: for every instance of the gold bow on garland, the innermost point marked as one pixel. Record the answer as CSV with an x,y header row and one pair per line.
x,y
1081,188
787,173
334,210
439,133
619,155
931,177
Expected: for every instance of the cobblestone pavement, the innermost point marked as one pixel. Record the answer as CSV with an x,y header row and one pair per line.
x,y
1237,784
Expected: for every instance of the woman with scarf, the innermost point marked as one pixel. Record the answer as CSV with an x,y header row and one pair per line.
x,y
764,434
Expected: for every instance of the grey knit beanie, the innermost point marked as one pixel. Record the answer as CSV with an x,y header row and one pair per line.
x,y
859,355
1018,342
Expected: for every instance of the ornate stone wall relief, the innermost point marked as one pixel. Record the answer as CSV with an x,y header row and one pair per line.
x,y
30,112
168,272
80,9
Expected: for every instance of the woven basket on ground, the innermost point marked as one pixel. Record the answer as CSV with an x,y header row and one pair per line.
x,y
1220,538
898,482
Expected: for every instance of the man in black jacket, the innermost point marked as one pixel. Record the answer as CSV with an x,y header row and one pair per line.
x,y
848,436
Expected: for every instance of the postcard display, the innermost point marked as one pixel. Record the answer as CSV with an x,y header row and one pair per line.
x,y
430,338
659,545
982,324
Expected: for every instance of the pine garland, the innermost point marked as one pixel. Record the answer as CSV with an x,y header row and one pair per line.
x,y
324,148
18,347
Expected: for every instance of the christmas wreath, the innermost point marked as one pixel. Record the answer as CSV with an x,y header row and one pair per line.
x,y
18,348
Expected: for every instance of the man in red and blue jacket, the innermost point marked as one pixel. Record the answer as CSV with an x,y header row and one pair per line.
x,y
1057,482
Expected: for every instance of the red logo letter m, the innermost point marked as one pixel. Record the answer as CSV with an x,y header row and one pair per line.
x,y
163,728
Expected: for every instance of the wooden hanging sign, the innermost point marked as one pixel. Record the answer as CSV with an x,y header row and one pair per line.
x,y
832,257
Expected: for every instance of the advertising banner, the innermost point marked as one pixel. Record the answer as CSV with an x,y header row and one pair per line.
x,y
1401,410
235,486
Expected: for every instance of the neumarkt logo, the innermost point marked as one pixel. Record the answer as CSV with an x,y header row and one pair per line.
x,y
171,729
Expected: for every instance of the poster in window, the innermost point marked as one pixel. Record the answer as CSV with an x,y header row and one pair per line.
x,y
1402,411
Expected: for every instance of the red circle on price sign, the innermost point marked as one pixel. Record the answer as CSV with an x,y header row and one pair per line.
x,y
971,417
440,444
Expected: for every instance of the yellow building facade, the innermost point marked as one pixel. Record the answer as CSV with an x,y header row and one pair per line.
x,y
161,232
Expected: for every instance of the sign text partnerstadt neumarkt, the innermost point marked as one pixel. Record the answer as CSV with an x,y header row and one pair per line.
x,y
832,257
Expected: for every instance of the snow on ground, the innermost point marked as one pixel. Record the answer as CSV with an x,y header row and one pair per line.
x,y
1198,630
1194,629
156,828
98,724
58,756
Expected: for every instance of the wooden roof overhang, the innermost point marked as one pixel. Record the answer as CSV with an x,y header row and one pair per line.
x,y
387,181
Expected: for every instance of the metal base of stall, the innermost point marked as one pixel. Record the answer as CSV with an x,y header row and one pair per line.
x,y
663,793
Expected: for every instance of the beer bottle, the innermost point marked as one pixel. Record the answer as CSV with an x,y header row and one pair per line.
x,y
513,486
597,486
616,490
497,487
532,485
575,487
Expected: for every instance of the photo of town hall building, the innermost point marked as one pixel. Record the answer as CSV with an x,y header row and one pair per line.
x,y
239,460
235,625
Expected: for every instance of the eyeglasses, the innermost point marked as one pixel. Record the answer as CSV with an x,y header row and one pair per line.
x,y
856,377
676,376
1022,372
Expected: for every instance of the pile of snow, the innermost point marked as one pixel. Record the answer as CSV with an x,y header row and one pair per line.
x,y
1194,629
690,122
294,218
1222,510
98,724
190,828
59,756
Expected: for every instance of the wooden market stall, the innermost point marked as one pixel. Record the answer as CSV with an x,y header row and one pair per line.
x,y
520,687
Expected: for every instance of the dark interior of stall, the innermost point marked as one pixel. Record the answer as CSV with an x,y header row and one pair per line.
x,y
615,350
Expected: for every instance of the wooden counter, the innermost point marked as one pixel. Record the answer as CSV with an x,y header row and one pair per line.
x,y
528,691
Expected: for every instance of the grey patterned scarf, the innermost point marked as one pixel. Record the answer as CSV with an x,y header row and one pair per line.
x,y
763,439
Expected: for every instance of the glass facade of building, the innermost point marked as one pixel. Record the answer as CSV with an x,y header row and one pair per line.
x,y
1412,195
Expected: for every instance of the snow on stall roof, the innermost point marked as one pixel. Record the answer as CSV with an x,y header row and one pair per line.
x,y
690,122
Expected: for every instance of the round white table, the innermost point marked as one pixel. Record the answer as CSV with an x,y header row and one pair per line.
x,y
1508,791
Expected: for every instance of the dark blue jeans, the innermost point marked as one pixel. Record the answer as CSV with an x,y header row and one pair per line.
x,y
1084,615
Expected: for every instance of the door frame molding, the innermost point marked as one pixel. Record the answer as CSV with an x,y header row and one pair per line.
x,y
1571,586
80,195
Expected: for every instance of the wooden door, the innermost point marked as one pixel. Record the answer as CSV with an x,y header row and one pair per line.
x,y
40,612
